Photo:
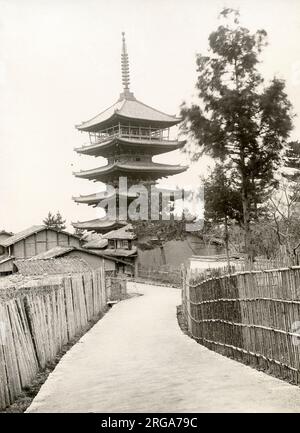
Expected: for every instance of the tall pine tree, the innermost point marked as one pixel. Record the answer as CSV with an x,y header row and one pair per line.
x,y
238,118
222,202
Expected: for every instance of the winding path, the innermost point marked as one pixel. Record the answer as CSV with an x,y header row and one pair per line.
x,y
136,359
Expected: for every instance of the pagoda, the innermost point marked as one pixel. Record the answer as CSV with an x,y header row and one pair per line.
x,y
128,134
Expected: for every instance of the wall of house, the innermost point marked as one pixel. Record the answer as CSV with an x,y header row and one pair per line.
x,y
109,265
94,261
176,252
41,242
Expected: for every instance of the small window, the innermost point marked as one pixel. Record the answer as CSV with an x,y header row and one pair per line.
x,y
122,243
111,243
138,159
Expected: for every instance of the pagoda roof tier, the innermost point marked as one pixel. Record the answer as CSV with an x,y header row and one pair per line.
x,y
141,168
94,199
100,225
128,108
109,145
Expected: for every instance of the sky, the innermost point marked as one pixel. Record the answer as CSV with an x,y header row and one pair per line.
x,y
60,65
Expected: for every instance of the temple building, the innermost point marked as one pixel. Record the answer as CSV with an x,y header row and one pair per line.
x,y
128,134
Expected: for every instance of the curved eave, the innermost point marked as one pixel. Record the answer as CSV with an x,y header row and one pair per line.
x,y
116,117
106,148
94,199
97,126
160,169
99,225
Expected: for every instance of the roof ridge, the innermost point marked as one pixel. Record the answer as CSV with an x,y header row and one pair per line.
x,y
30,231
148,163
119,106
105,218
158,111
129,162
108,165
102,112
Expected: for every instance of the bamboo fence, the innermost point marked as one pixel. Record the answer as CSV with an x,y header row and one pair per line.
x,y
251,316
36,322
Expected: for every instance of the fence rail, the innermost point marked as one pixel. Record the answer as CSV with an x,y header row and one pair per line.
x,y
35,323
253,317
132,132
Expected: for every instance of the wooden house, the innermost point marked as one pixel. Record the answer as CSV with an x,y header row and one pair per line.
x,y
121,245
30,242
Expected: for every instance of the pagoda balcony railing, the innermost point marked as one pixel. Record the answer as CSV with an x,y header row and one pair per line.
x,y
130,132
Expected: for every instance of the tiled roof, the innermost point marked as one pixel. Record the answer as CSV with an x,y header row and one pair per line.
x,y
155,146
103,195
22,235
52,266
99,224
64,251
132,166
28,232
53,253
122,233
128,108
99,243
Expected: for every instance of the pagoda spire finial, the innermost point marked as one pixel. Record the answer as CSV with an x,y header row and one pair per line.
x,y
125,65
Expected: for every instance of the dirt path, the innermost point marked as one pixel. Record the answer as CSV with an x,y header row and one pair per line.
x,y
136,359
